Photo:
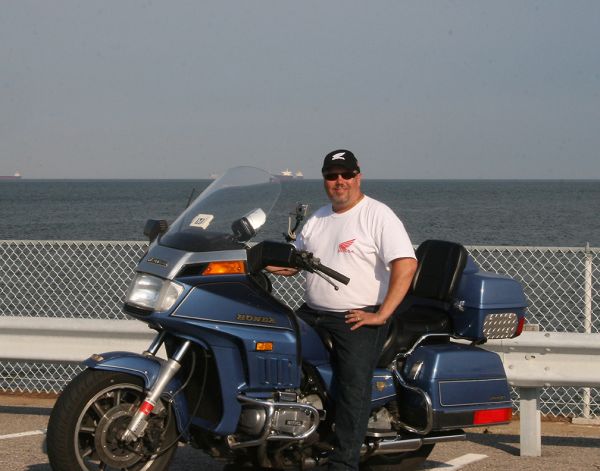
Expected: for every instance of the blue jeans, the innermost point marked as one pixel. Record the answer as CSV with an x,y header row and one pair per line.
x,y
354,357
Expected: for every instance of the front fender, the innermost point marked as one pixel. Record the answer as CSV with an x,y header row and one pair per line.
x,y
148,368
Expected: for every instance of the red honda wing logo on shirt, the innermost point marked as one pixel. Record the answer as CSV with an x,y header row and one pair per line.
x,y
344,247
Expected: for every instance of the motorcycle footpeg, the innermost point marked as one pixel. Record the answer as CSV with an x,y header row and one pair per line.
x,y
381,433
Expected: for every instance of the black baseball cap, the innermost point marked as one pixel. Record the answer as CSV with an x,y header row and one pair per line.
x,y
341,158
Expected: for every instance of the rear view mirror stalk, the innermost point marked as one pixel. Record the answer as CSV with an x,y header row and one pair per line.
x,y
155,228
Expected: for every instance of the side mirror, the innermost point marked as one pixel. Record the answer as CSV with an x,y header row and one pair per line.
x,y
155,228
245,228
299,214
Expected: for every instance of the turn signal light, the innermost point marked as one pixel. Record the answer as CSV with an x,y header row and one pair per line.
x,y
492,416
264,346
235,267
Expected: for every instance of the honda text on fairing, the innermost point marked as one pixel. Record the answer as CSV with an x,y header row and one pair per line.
x,y
248,382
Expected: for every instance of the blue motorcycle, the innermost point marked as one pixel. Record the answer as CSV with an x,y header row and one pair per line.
x,y
234,372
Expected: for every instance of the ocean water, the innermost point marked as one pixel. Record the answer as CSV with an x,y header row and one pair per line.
x,y
532,213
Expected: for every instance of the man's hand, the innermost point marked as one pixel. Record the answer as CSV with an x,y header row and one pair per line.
x,y
402,272
360,318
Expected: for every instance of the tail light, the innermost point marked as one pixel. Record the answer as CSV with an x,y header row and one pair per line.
x,y
519,327
492,416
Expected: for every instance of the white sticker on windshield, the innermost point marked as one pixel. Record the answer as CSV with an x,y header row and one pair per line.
x,y
202,220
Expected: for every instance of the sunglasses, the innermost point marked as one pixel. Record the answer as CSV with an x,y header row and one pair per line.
x,y
334,175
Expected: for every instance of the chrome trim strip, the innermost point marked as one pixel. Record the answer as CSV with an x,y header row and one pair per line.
x,y
383,397
215,321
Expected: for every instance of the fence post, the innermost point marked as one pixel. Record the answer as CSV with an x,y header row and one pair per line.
x,y
587,290
587,315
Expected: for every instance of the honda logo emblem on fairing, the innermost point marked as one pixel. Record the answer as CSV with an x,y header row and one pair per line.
x,y
158,261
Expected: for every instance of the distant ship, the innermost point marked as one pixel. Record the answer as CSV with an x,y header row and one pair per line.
x,y
287,174
16,176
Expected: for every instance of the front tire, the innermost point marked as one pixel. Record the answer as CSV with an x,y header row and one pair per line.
x,y
88,418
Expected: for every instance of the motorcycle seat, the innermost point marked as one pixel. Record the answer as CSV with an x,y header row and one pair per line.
x,y
425,310
408,326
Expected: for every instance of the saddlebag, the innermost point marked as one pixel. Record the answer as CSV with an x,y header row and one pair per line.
x,y
466,385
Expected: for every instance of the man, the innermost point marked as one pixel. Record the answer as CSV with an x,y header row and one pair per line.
x,y
364,240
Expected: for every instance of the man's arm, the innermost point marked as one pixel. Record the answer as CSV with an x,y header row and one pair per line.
x,y
281,270
402,271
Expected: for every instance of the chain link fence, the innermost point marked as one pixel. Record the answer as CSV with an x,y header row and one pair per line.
x,y
88,279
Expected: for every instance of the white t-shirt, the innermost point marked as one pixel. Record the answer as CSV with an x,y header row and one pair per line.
x,y
359,243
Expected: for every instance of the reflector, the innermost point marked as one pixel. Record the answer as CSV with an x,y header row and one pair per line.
x,y
492,416
146,407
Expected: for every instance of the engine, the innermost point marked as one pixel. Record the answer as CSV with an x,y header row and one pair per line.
x,y
281,419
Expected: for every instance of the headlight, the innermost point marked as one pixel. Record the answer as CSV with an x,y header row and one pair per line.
x,y
153,293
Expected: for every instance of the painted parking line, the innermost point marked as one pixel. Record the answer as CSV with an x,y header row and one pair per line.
x,y
23,434
458,463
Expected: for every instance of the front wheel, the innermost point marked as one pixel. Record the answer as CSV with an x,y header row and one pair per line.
x,y
89,417
398,461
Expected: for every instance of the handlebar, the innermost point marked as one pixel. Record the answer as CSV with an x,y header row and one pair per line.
x,y
277,254
306,261
331,273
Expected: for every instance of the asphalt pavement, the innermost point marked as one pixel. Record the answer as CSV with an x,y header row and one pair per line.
x,y
565,446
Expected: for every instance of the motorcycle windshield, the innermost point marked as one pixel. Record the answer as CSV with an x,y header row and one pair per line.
x,y
227,214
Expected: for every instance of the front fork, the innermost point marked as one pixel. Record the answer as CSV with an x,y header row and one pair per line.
x,y
139,422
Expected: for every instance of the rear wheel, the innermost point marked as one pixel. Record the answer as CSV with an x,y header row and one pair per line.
x,y
87,421
398,461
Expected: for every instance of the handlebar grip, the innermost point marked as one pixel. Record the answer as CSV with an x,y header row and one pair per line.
x,y
330,272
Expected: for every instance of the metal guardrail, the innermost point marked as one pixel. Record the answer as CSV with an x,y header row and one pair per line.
x,y
547,359
56,340
536,359
88,280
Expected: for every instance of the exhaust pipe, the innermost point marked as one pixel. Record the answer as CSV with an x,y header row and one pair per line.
x,y
400,445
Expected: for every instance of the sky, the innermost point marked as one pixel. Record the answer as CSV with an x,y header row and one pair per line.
x,y
416,89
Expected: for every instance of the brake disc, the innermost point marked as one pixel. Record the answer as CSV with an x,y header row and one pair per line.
x,y
110,449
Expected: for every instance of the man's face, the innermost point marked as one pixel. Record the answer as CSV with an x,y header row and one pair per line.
x,y
342,193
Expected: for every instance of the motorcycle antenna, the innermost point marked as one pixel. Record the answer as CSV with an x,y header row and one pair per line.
x,y
191,198
300,214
